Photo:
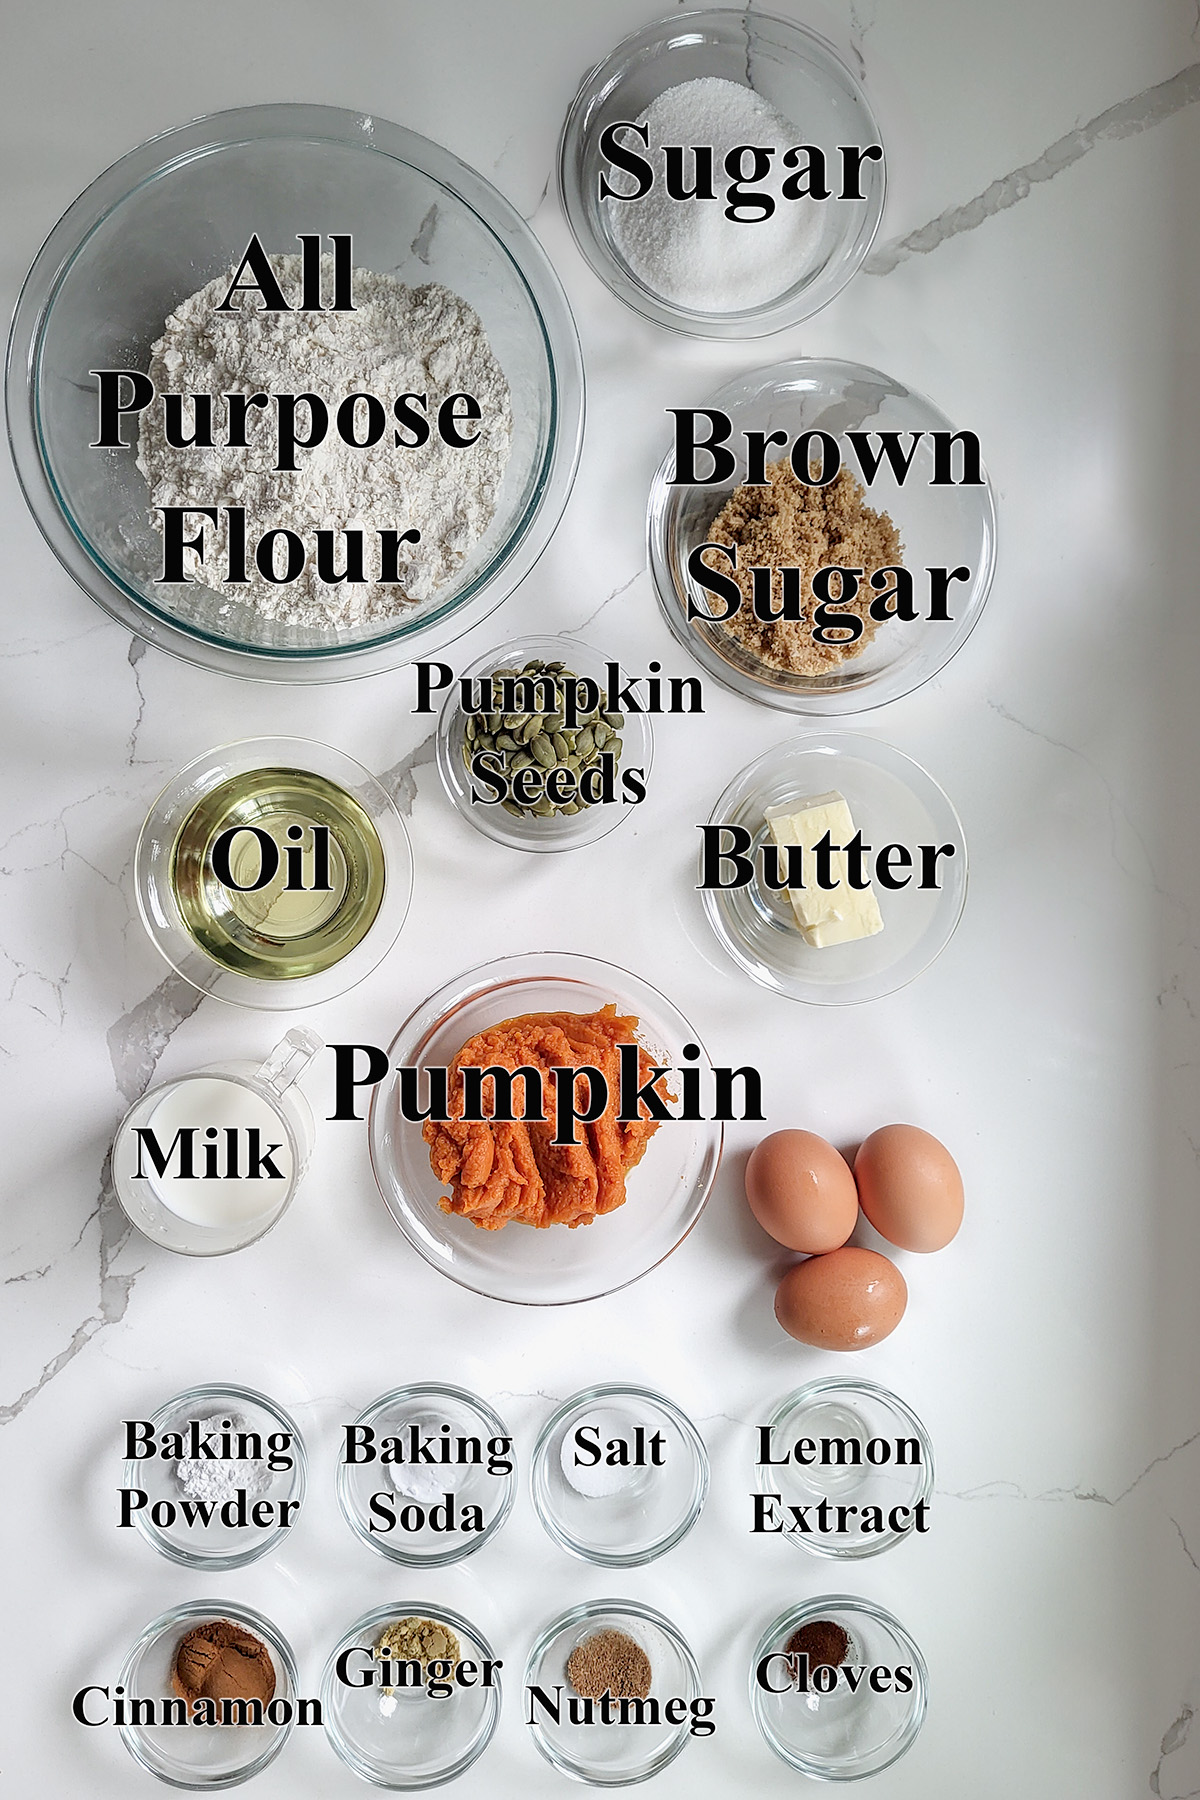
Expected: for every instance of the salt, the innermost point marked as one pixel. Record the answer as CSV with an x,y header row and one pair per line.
x,y
600,1480
687,251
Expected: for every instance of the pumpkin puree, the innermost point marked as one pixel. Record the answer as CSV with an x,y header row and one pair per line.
x,y
501,1172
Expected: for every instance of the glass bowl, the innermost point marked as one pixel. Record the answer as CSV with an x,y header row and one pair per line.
x,y
869,1431
614,1754
418,1740
219,1756
163,1203
792,69
225,1542
623,1513
159,906
841,1736
941,527
892,800
553,1267
559,831
173,215
414,1514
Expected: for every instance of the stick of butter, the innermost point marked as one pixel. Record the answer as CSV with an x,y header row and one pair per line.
x,y
837,915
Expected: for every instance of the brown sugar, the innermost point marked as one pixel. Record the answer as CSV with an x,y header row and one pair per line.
x,y
788,524
610,1662
500,1172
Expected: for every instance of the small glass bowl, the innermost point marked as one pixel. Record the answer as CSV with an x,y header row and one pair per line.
x,y
792,69
558,832
174,214
193,1756
554,1267
159,909
218,1546
409,1497
419,1741
842,1736
612,1755
891,800
947,527
638,1512
857,1414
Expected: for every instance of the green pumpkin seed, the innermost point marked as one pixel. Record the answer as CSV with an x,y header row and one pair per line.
x,y
543,808
615,719
532,727
543,751
585,743
510,806
506,741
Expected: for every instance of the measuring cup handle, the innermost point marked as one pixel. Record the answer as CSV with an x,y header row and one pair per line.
x,y
289,1059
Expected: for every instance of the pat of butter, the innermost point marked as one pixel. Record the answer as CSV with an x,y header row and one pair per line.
x,y
837,915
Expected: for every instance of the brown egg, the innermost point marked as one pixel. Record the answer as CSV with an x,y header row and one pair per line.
x,y
801,1191
844,1301
910,1187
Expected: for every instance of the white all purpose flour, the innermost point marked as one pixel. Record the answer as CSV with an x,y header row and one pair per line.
x,y
398,340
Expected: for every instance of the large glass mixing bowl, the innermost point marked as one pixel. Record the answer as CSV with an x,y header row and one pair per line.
x,y
172,216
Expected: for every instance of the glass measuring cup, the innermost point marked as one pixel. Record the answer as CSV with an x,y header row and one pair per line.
x,y
209,1162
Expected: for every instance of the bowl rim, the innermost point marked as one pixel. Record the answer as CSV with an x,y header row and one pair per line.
x,y
514,238
449,999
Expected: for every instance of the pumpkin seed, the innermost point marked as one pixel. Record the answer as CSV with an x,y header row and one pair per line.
x,y
561,747
615,719
543,751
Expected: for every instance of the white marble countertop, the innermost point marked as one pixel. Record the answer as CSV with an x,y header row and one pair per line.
x,y
1035,277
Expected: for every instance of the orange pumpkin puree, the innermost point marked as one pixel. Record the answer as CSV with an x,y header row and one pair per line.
x,y
501,1172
